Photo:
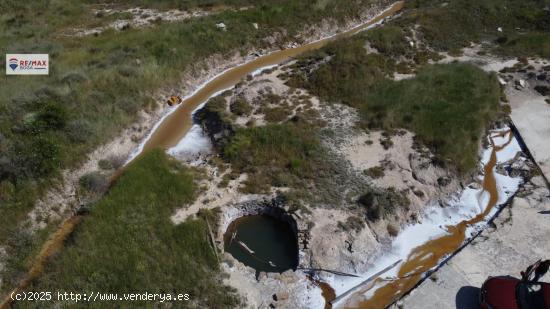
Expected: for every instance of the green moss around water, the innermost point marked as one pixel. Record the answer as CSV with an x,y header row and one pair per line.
x,y
129,244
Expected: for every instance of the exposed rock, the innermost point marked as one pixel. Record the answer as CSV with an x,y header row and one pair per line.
x,y
543,90
520,83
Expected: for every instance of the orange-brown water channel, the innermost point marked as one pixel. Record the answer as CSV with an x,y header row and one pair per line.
x,y
427,256
176,125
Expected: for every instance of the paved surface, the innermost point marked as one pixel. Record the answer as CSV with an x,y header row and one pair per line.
x,y
531,115
518,240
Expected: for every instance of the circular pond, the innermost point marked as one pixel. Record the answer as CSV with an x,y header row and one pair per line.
x,y
263,243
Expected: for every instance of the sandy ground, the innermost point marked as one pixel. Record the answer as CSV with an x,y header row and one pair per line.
x,y
518,239
404,167
488,63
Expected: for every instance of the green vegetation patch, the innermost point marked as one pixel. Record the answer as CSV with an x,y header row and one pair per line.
x,y
389,40
241,107
275,155
382,204
446,106
525,45
346,72
451,25
128,243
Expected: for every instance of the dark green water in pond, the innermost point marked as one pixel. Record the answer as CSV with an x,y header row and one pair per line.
x,y
263,243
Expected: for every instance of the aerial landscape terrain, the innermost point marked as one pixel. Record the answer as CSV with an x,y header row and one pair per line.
x,y
275,154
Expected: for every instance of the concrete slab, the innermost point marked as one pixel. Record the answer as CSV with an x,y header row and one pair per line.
x,y
531,115
519,238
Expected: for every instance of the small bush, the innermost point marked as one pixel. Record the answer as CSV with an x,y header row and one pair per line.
x,y
543,90
381,204
53,116
112,162
39,156
94,182
275,115
392,229
352,223
79,130
240,107
389,40
73,78
375,172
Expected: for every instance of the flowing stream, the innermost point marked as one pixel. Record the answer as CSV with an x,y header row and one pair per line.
x,y
174,127
427,256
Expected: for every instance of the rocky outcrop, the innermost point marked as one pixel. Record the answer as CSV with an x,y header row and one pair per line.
x,y
215,121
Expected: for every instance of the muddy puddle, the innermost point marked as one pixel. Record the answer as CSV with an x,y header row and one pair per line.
x,y
428,256
263,243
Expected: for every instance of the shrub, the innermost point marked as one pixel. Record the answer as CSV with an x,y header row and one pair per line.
x,y
381,204
74,78
112,162
53,116
543,90
389,40
39,157
94,182
7,191
79,130
352,223
276,114
393,230
375,172
240,107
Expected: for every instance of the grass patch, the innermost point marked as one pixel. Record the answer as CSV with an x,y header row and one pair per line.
x,y
352,223
525,45
129,244
346,72
275,114
389,40
446,106
274,155
458,23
